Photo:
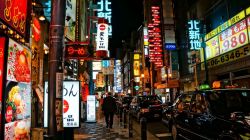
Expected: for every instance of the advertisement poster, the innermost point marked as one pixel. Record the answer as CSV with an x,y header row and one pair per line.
x,y
2,69
18,130
91,108
18,92
14,13
71,103
234,37
248,27
212,48
70,22
19,63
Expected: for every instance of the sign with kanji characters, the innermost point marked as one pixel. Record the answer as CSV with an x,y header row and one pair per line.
x,y
71,104
194,34
2,69
104,11
70,20
14,13
76,51
102,37
234,37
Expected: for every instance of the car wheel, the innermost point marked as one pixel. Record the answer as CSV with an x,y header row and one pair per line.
x,y
174,132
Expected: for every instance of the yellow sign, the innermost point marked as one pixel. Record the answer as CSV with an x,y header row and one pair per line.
x,y
211,34
136,68
222,27
237,18
136,56
228,57
248,11
234,37
212,48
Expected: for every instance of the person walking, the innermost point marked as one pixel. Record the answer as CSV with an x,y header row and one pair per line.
x,y
109,108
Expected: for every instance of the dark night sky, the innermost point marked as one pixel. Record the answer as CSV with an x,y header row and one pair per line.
x,y
127,15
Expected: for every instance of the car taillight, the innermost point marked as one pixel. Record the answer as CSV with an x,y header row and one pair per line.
x,y
143,110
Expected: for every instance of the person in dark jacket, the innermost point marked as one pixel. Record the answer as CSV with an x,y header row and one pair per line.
x,y
109,108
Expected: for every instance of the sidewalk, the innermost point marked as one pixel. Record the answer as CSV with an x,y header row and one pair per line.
x,y
98,131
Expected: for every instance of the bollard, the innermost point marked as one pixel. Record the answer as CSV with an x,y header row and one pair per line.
x,y
143,122
124,118
130,125
120,114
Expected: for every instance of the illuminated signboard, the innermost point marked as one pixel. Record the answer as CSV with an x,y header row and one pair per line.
x,y
14,13
118,76
70,19
170,46
145,34
226,37
91,108
76,51
2,69
104,11
18,92
194,34
47,8
97,65
100,80
102,37
71,104
155,38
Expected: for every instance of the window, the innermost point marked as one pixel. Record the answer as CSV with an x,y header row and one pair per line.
x,y
199,104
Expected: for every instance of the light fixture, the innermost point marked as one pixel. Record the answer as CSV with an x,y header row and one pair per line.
x,y
42,18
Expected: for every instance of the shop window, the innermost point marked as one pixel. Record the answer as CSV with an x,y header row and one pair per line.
x,y
183,103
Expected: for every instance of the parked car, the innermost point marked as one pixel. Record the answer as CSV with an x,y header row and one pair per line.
x,y
124,102
146,106
221,114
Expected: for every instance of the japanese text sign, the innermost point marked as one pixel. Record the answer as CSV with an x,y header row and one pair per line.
x,y
14,13
102,37
104,11
194,34
71,103
76,51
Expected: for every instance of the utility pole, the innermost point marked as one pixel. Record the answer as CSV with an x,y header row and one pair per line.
x,y
55,61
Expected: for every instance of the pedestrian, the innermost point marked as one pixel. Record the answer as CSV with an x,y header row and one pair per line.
x,y
109,108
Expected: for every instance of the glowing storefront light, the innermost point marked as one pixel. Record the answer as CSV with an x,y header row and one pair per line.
x,y
102,37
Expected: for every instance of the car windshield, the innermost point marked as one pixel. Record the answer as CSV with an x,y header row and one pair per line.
x,y
224,102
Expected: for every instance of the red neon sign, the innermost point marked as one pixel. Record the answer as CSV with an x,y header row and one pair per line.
x,y
14,13
76,51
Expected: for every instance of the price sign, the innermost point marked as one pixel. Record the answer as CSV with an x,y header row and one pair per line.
x,y
228,57
212,48
248,26
233,37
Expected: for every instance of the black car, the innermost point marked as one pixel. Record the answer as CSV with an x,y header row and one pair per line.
x,y
124,102
220,114
146,106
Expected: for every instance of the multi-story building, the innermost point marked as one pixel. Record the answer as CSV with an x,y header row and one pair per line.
x,y
224,36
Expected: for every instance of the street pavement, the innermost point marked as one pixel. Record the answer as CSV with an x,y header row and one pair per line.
x,y
98,130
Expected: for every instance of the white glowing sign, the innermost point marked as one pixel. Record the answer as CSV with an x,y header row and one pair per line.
x,y
102,37
145,34
117,76
194,34
104,11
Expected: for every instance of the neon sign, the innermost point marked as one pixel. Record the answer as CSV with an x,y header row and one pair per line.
x,y
76,51
194,34
104,11
14,13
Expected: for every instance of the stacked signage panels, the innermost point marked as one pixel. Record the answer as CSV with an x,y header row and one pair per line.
x,y
228,42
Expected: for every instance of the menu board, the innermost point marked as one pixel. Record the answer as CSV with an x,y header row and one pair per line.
x,y
18,92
